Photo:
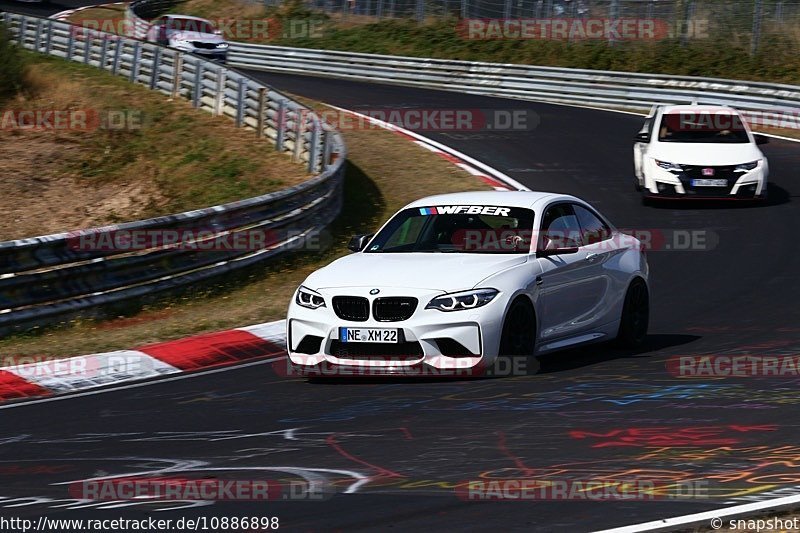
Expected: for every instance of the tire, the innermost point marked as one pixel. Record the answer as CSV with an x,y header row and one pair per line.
x,y
635,316
636,184
518,341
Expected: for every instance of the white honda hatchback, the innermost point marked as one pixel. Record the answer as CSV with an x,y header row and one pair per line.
x,y
453,281
700,152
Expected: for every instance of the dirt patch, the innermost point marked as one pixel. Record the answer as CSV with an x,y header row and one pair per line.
x,y
40,198
141,155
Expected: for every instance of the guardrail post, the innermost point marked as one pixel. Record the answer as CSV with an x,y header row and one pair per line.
x,y
280,126
104,51
241,102
391,8
48,41
197,90
613,14
263,107
327,148
220,96
420,10
758,13
36,44
137,55
379,10
464,9
87,49
70,44
313,145
118,46
23,29
155,66
299,131
177,74
507,9
686,20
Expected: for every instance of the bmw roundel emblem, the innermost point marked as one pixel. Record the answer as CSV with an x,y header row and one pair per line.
x,y
374,291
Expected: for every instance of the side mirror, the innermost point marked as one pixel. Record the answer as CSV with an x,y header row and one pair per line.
x,y
557,251
761,139
359,242
552,248
642,137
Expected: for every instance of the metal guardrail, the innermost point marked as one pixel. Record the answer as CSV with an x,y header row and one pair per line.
x,y
43,280
548,84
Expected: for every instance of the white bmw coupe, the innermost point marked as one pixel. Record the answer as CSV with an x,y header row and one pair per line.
x,y
452,282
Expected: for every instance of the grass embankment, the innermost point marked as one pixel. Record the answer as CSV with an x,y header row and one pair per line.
x,y
724,52
141,154
385,171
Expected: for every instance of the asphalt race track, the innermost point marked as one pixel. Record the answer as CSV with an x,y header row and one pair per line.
x,y
389,454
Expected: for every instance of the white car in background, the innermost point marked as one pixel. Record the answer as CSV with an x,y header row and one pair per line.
x,y
699,151
189,34
456,280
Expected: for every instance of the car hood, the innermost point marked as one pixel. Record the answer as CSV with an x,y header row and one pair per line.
x,y
446,272
705,153
196,36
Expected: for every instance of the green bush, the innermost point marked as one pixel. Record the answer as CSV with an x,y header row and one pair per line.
x,y
717,56
12,66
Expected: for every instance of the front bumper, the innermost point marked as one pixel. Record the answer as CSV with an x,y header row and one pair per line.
x,y
661,183
431,343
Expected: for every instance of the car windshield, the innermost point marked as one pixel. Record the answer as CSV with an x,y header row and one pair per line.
x,y
457,229
705,127
199,26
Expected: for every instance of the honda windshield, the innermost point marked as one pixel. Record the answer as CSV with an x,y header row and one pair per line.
x,y
702,127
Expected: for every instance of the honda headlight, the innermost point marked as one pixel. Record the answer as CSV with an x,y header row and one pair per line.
x,y
746,167
459,301
671,167
308,298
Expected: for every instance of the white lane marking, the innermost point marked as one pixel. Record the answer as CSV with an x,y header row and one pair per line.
x,y
138,385
443,147
706,516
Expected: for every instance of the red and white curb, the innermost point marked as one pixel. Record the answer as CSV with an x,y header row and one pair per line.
x,y
49,376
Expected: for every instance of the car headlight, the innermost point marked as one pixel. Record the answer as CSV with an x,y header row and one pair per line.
x,y
222,45
746,167
308,298
672,167
459,301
